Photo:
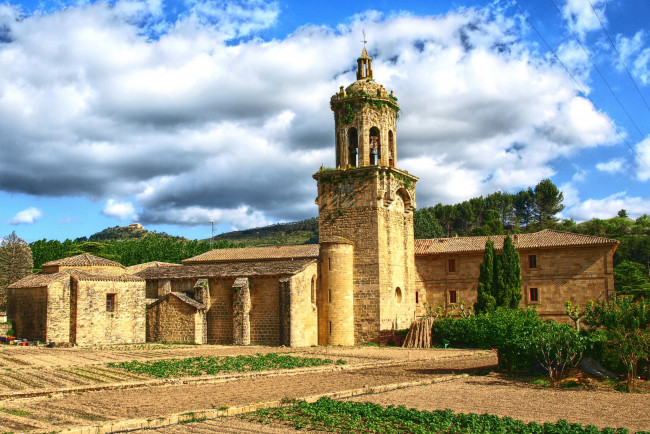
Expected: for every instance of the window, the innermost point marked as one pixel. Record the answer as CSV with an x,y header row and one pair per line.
x,y
452,296
313,289
533,294
417,300
398,295
452,266
532,261
110,302
329,295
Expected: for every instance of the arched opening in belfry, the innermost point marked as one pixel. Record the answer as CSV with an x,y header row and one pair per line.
x,y
338,151
374,145
391,149
353,146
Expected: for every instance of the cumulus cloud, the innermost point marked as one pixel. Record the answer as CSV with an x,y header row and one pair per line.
x,y
615,165
27,216
636,55
581,17
608,206
200,121
119,209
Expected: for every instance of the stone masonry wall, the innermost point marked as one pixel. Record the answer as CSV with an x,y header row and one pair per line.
x,y
304,313
220,315
171,320
575,274
28,309
58,311
265,311
126,324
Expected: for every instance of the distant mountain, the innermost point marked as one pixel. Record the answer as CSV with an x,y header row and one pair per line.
x,y
119,233
302,232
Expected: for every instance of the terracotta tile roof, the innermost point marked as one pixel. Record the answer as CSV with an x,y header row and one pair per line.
x,y
299,251
44,279
232,269
139,267
543,239
182,297
83,260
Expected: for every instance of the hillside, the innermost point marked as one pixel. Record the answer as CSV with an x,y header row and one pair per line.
x,y
119,233
302,232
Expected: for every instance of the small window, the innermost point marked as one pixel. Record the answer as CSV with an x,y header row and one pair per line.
x,y
330,328
110,302
329,263
452,265
533,294
329,295
532,261
452,297
313,289
398,295
417,299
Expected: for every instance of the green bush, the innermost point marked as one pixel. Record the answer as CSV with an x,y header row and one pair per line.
x,y
559,348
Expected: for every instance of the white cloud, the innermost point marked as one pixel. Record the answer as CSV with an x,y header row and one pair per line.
x,y
119,209
607,207
616,165
27,216
581,17
636,55
643,159
198,126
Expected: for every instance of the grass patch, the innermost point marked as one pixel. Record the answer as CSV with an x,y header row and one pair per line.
x,y
15,412
347,417
216,365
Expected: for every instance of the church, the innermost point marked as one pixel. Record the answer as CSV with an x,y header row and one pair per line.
x,y
367,277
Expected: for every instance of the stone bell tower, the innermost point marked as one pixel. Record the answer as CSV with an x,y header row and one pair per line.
x,y
365,219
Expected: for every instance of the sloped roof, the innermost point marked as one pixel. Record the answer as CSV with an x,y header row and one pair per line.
x,y
83,260
543,239
44,279
182,297
139,267
256,254
228,269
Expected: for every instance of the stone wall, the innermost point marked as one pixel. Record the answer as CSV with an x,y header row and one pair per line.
x,y
575,274
219,316
265,310
303,309
27,307
58,311
172,320
96,325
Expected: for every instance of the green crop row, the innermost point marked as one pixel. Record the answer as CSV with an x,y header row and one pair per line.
x,y
346,417
216,365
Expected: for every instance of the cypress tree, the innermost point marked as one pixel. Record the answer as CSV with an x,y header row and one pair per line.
x,y
486,300
510,271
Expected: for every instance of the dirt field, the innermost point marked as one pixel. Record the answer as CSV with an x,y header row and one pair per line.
x,y
44,390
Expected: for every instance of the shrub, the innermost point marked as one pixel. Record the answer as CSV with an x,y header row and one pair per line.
x,y
559,348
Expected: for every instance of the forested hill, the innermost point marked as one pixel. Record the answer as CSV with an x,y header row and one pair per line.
x,y
302,232
119,233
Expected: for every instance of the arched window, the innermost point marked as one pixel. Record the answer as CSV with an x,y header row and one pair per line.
x,y
374,145
391,149
398,295
353,146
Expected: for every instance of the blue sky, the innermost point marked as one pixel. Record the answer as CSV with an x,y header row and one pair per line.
x,y
175,114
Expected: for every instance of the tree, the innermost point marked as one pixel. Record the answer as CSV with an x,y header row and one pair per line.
x,y
626,325
486,301
509,288
15,263
632,278
425,224
548,202
622,213
499,281
559,349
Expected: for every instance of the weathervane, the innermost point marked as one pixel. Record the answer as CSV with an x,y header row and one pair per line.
x,y
364,38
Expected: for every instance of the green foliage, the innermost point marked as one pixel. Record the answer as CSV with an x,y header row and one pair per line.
x,y
559,348
425,225
486,301
626,333
499,281
632,278
349,114
15,263
127,252
348,416
548,202
216,365
302,232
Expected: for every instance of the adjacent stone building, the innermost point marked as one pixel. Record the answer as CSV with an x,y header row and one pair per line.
x,y
82,299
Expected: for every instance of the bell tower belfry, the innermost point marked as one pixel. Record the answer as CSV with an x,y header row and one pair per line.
x,y
365,219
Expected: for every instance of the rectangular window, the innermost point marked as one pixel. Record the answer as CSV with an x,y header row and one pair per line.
x,y
329,264
329,295
532,261
533,295
452,297
110,302
452,265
